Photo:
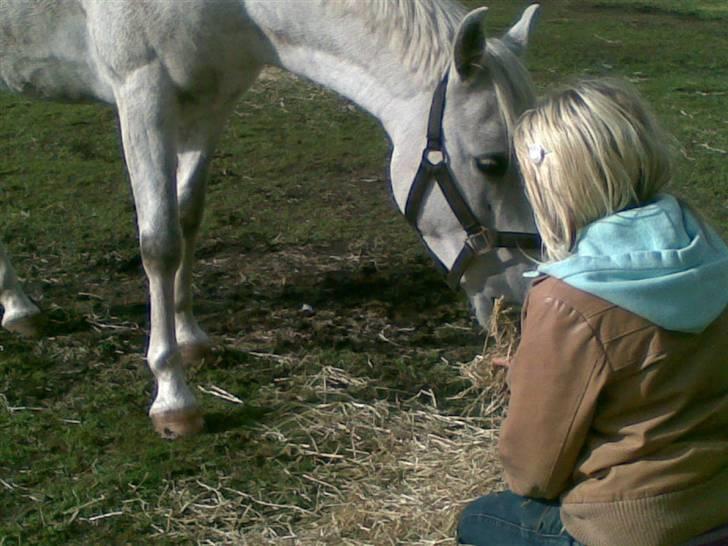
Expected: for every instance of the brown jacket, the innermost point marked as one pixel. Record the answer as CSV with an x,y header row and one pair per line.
x,y
625,421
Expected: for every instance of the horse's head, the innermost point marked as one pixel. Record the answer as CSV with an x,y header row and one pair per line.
x,y
487,89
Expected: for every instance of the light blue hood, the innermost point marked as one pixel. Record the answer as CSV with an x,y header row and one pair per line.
x,y
657,261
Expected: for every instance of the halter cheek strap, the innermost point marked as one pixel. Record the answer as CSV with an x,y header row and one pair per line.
x,y
434,165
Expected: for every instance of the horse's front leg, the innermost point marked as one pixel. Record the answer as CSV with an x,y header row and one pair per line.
x,y
148,119
193,342
198,133
20,314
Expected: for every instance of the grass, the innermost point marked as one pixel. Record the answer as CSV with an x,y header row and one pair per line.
x,y
370,422
703,9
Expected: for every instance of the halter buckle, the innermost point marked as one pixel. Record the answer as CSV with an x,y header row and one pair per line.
x,y
481,241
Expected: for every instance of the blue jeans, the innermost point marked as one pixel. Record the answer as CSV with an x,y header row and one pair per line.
x,y
507,519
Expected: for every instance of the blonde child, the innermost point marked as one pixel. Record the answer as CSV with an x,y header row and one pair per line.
x,y
617,425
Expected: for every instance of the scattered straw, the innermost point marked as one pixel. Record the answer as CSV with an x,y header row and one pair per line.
x,y
381,472
103,516
220,393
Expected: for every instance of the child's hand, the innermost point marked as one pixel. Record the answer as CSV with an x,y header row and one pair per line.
x,y
501,362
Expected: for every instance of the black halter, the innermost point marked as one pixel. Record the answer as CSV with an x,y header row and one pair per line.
x,y
434,164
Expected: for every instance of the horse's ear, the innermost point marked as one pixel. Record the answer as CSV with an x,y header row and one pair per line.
x,y
469,46
517,37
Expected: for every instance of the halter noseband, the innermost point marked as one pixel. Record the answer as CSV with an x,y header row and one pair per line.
x,y
434,164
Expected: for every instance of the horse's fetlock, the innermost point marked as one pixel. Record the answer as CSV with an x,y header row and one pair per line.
x,y
165,362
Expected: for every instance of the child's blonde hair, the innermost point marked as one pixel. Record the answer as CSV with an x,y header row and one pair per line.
x,y
589,151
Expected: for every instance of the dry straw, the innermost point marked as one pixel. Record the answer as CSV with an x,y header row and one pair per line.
x,y
383,472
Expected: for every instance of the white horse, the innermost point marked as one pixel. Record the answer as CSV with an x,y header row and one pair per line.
x,y
174,70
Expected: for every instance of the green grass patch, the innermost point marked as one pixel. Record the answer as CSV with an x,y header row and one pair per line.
x,y
701,9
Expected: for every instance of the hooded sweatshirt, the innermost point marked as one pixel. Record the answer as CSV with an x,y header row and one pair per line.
x,y
658,261
616,407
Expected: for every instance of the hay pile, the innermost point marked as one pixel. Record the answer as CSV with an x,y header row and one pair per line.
x,y
387,472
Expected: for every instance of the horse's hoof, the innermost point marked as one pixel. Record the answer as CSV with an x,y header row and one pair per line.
x,y
192,353
30,326
171,425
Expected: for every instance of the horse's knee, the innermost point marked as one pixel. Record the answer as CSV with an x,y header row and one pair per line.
x,y
190,215
191,187
161,249
191,200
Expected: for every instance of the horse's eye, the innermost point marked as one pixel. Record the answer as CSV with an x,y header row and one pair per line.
x,y
492,164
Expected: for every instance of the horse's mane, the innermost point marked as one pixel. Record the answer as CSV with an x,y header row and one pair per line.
x,y
421,30
513,85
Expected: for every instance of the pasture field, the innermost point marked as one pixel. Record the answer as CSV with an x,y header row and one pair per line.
x,y
370,422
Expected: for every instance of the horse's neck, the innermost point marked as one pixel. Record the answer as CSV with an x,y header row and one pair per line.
x,y
342,53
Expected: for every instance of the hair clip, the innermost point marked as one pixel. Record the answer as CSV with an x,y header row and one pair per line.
x,y
537,153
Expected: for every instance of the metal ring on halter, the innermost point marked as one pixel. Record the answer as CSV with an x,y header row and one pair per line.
x,y
434,166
